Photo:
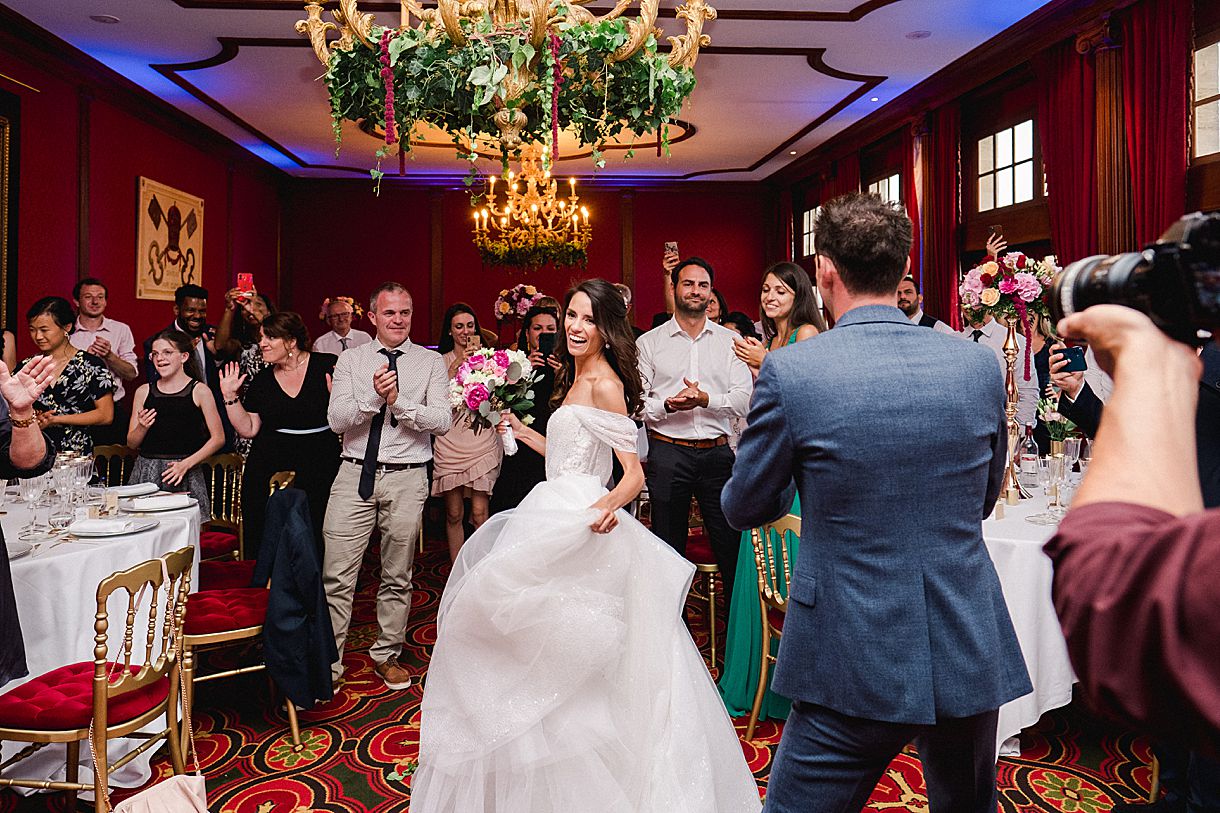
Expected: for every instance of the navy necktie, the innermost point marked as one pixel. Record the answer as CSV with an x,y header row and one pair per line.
x,y
368,469
976,334
343,342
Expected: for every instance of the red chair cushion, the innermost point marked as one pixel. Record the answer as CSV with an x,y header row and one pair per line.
x,y
776,618
699,549
226,574
215,544
62,700
212,611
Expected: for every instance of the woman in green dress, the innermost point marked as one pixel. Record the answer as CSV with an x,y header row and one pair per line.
x,y
790,314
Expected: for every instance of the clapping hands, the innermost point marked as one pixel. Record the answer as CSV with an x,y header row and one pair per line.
x,y
688,398
751,351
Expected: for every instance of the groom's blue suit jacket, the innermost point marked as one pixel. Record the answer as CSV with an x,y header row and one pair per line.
x,y
894,436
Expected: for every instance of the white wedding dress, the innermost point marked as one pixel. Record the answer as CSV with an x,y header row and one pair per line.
x,y
563,678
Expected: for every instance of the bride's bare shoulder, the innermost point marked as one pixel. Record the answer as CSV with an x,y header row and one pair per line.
x,y
607,391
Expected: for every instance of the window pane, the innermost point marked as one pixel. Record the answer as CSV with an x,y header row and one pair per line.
x,y
986,155
1003,148
1023,141
1023,182
895,189
1207,128
1003,187
1207,71
986,192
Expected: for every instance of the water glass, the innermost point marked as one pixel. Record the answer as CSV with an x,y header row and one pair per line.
x,y
61,515
32,489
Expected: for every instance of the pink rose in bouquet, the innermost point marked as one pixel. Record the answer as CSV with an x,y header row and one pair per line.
x,y
476,395
1027,286
1008,285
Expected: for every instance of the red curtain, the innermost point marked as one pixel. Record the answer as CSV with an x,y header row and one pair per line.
x,y
1156,58
783,228
940,214
844,177
1067,123
910,193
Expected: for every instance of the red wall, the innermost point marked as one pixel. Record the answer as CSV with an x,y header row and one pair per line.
x,y
123,146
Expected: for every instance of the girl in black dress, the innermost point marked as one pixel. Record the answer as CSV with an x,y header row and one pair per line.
x,y
175,425
284,411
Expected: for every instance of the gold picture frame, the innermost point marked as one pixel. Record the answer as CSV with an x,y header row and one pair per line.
x,y
169,249
6,152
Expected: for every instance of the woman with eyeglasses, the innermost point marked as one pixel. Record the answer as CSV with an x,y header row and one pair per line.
x,y
175,424
82,391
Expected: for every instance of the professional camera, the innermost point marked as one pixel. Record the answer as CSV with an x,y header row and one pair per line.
x,y
1175,281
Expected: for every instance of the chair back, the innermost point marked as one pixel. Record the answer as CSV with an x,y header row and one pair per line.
x,y
222,473
281,480
172,572
773,558
114,463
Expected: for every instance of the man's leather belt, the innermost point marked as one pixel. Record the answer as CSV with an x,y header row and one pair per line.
x,y
710,443
389,466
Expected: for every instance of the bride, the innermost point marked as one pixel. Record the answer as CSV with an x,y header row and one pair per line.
x,y
563,678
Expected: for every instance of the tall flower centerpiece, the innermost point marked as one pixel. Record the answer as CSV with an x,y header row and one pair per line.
x,y
515,302
490,383
1013,290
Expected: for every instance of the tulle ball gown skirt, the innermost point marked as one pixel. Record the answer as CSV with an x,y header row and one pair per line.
x,y
563,678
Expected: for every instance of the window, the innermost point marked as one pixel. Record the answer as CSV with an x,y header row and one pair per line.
x,y
1006,167
807,226
1207,100
888,188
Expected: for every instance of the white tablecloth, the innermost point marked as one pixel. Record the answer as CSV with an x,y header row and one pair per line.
x,y
1025,576
56,592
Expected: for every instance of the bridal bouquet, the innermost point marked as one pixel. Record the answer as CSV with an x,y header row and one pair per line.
x,y
490,383
1015,287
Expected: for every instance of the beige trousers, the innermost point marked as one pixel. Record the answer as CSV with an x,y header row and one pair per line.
x,y
396,508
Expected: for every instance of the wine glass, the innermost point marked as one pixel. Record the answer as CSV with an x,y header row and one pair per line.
x,y
1055,473
1086,456
1071,453
61,514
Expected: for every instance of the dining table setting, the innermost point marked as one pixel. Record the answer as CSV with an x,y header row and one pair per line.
x,y
63,535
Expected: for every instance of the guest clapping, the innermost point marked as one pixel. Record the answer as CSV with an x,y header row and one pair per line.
x,y
284,411
175,424
789,313
82,393
465,464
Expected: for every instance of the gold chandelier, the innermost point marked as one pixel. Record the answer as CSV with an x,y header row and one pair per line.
x,y
534,226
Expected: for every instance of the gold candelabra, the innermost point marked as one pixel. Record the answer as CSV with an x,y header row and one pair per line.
x,y
533,225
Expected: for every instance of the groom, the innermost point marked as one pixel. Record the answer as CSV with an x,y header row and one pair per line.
x,y
897,629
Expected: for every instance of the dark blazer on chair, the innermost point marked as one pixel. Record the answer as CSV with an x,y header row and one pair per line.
x,y
895,437
297,636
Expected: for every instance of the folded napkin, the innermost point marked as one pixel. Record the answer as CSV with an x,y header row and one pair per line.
x,y
99,526
161,503
134,490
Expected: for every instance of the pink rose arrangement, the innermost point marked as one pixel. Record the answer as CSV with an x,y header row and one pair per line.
x,y
515,302
490,383
1014,285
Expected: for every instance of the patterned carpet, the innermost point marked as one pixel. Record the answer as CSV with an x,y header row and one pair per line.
x,y
358,746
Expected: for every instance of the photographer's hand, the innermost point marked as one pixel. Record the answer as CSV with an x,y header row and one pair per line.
x,y
1145,447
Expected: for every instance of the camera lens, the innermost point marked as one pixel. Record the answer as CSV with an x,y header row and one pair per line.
x,y
1102,278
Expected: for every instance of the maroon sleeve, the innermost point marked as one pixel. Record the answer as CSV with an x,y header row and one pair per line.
x,y
1138,596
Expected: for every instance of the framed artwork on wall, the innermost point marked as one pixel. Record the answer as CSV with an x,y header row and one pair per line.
x,y
169,249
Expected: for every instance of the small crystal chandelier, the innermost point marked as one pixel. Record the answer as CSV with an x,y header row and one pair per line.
x,y
534,226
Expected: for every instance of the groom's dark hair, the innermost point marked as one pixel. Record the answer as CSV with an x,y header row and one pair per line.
x,y
867,239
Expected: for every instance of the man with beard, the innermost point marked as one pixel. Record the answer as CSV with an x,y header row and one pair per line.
x,y
910,302
694,386
191,317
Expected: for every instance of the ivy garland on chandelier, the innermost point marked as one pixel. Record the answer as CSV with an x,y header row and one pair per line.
x,y
515,72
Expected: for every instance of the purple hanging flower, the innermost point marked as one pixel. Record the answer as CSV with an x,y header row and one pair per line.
x,y
387,76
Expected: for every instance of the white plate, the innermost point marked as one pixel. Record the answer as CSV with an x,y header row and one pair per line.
x,y
128,507
134,490
18,549
134,526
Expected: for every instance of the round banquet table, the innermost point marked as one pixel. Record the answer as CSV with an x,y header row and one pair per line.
x,y
1025,576
56,592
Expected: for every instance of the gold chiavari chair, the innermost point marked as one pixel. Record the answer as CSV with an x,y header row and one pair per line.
x,y
114,463
223,540
115,698
707,572
225,616
773,559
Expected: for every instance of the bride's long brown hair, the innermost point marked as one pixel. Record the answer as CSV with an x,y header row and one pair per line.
x,y
610,317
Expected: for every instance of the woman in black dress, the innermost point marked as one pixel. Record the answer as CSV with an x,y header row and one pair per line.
x,y
519,473
284,411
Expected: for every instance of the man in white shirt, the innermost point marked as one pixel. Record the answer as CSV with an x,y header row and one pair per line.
x,y
387,399
694,385
112,342
910,302
342,336
981,328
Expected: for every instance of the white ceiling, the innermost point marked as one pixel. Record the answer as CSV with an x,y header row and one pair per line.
x,y
751,101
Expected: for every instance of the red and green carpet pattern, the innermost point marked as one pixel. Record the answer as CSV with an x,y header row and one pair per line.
x,y
358,746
